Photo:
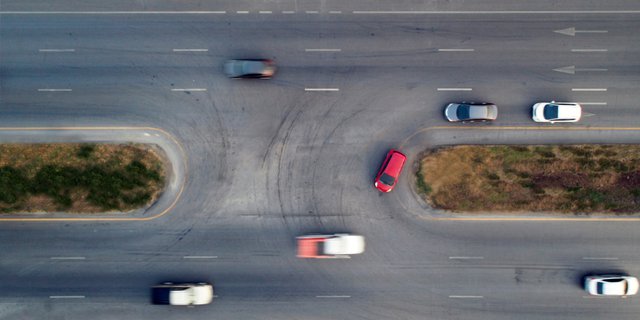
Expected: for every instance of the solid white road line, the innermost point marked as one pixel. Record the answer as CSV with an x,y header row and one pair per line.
x,y
66,297
111,12
466,258
54,90
505,12
57,50
321,89
189,89
588,89
600,258
67,258
322,50
455,89
333,296
466,297
589,50
456,50
200,257
190,50
265,12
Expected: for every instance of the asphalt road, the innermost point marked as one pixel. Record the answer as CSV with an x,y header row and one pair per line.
x,y
269,160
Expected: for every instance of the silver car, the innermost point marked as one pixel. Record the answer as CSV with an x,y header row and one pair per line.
x,y
470,112
250,68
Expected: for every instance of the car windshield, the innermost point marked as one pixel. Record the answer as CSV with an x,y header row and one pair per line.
x,y
600,288
551,112
463,112
387,179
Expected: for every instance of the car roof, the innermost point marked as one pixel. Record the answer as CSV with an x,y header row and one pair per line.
x,y
344,244
396,161
568,111
249,66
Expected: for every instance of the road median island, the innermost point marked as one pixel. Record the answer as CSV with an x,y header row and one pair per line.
x,y
82,178
567,179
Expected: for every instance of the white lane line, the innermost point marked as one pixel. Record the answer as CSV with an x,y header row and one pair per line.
x,y
66,297
54,90
312,12
589,89
456,50
321,89
593,103
288,12
506,12
322,50
455,89
466,297
333,296
190,50
111,12
242,12
200,257
57,50
335,12
589,50
67,258
465,258
189,89
265,12
600,258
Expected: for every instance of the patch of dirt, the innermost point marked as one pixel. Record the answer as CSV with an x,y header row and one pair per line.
x,y
569,179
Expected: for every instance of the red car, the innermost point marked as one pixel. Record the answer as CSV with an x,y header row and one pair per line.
x,y
390,171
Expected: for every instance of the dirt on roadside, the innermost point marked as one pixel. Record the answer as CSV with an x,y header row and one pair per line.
x,y
579,179
79,177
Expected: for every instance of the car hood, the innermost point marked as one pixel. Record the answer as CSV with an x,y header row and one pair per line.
x,y
632,286
344,244
451,112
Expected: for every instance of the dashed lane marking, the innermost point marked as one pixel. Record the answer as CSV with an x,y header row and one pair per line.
x,y
190,50
589,89
57,50
455,89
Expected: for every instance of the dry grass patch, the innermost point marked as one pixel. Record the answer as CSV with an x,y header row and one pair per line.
x,y
77,177
569,179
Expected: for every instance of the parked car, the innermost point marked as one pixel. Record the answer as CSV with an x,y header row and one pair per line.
x,y
182,294
611,285
390,171
250,68
339,245
470,111
556,112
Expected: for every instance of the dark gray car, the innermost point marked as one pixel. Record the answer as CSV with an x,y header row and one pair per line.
x,y
470,111
250,68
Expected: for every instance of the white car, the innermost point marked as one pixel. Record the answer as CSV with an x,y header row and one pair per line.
x,y
329,246
611,285
182,294
556,112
